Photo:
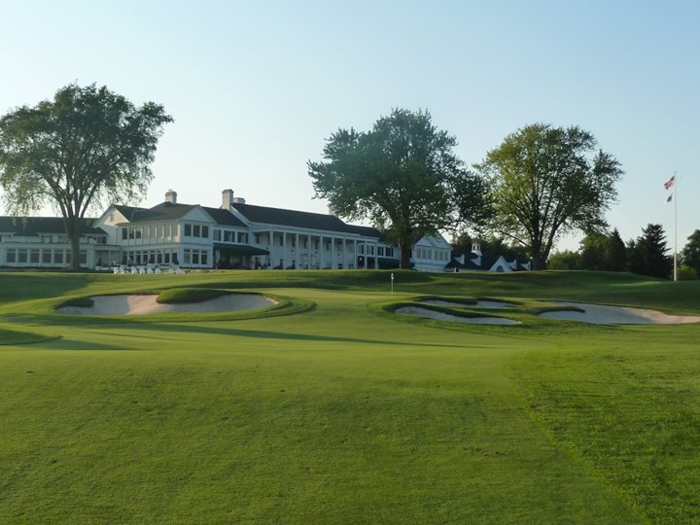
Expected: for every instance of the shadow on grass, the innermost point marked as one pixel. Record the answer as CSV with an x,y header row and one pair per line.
x,y
282,336
61,344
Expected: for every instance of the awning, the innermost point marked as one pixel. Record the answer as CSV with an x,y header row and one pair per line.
x,y
239,249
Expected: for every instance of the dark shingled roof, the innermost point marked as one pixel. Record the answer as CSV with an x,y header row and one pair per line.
x,y
367,231
166,211
162,212
127,211
301,219
33,226
224,217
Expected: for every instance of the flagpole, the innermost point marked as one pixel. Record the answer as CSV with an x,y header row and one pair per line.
x,y
675,227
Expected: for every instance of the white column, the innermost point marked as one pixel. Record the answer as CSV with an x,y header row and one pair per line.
x,y
320,253
297,252
354,260
308,251
334,258
284,250
271,257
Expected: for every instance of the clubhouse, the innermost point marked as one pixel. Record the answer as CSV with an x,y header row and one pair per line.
x,y
234,235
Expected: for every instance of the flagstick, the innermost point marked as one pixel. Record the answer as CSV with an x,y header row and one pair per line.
x,y
675,227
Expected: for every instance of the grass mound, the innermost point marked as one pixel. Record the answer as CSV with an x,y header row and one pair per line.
x,y
13,337
82,302
188,295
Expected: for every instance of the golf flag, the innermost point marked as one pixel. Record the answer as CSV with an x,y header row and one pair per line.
x,y
670,198
670,183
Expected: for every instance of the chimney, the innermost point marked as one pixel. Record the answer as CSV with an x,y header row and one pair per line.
x,y
238,200
171,196
226,198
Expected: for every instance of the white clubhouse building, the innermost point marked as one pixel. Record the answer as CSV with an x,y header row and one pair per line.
x,y
234,235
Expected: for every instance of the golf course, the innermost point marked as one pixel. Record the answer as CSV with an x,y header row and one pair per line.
x,y
324,398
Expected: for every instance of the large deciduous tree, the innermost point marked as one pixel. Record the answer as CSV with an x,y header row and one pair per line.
x,y
403,175
547,181
84,146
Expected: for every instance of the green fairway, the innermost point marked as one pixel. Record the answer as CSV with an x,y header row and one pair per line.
x,y
333,409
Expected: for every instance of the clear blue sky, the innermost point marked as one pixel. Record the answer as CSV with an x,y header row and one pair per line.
x,y
256,87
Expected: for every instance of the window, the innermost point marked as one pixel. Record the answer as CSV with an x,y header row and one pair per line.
x,y
138,233
188,230
167,230
131,233
166,257
22,259
58,257
217,235
228,236
34,256
11,256
195,230
242,237
195,257
83,257
187,257
204,258
46,256
205,232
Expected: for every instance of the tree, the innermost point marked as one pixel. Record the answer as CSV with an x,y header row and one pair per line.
x,y
494,246
686,273
615,256
691,253
566,260
546,182
85,145
403,175
648,255
593,247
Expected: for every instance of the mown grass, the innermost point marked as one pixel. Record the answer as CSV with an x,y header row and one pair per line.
x,y
345,412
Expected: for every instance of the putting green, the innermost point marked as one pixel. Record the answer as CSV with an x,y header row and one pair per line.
x,y
344,413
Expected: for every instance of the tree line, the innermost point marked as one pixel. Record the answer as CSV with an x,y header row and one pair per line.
x,y
648,254
540,183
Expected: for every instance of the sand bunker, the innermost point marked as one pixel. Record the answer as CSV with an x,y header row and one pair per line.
x,y
601,314
432,314
478,304
146,304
